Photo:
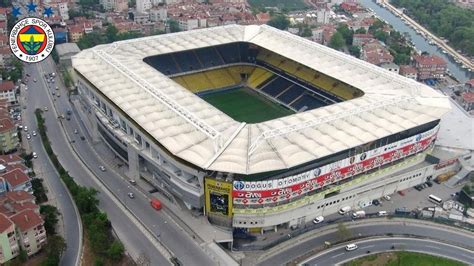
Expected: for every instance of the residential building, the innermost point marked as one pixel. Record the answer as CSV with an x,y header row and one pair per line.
x,y
8,135
9,247
143,6
75,33
114,5
430,66
323,15
360,39
376,54
8,92
408,71
468,100
141,18
31,232
17,180
5,56
63,10
391,67
158,14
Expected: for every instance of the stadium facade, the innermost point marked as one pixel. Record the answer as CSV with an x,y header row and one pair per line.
x,y
344,128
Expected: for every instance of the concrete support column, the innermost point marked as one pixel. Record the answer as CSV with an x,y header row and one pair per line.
x,y
133,163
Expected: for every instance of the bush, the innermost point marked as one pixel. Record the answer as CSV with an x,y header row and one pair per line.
x,y
50,214
38,190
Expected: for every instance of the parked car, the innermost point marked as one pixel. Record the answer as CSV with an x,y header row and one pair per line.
x,y
382,213
318,220
34,155
387,197
429,183
376,202
133,182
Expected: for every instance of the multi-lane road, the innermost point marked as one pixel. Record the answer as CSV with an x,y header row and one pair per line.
x,y
338,255
139,227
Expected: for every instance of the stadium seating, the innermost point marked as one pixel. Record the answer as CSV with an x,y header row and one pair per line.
x,y
291,94
307,100
164,63
209,57
229,52
276,86
258,76
220,78
187,61
195,82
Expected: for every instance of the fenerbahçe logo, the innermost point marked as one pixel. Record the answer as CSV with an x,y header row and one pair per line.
x,y
31,40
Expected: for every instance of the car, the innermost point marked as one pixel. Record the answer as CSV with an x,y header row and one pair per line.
x,y
24,107
33,133
429,183
387,197
53,93
45,108
382,213
20,127
318,220
27,74
25,129
102,168
83,138
132,181
76,131
351,247
57,88
131,195
401,192
419,187
376,202
34,155
34,80
28,136
59,95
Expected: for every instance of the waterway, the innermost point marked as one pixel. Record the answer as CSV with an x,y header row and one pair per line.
x,y
420,43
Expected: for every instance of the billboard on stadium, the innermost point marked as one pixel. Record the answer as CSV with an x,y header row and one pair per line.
x,y
218,197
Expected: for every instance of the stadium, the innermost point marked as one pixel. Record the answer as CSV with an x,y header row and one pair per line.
x,y
255,127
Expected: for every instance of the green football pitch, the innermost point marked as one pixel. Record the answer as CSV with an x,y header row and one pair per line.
x,y
246,106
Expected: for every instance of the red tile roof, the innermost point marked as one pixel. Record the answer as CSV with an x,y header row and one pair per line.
x,y
19,196
429,60
10,158
18,207
26,220
16,177
405,69
5,223
7,85
468,97
6,124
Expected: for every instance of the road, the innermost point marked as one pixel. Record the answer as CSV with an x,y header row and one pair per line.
x,y
299,247
437,40
164,229
70,218
338,255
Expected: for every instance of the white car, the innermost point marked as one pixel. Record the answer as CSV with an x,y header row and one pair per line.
x,y
318,220
33,133
35,155
351,247
102,168
28,136
387,197
131,195
25,129
133,182
45,108
34,80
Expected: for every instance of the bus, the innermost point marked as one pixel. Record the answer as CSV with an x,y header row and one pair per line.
x,y
435,199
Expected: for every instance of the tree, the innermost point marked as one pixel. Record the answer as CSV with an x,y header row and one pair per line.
x,y
381,35
343,232
279,21
86,200
361,31
40,194
115,251
354,50
111,33
174,25
50,214
55,248
305,31
337,41
346,33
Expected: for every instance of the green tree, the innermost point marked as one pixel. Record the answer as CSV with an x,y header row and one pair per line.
x,y
361,31
111,33
50,214
115,251
337,41
305,31
86,200
174,25
98,225
23,256
381,35
354,50
39,192
279,21
346,33
55,248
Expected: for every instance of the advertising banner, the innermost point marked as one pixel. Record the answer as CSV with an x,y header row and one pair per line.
x,y
218,197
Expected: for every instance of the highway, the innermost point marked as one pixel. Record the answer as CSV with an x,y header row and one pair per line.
x,y
338,255
135,240
69,215
300,246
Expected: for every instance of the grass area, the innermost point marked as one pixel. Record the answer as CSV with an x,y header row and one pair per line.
x,y
245,106
287,4
403,258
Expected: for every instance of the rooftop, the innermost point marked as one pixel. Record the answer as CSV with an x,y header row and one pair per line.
x,y
26,220
5,223
429,60
19,196
6,85
16,177
67,48
195,131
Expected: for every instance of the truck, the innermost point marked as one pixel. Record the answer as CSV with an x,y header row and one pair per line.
x,y
155,203
443,177
358,214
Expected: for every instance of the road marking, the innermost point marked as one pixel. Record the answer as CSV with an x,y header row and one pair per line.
x,y
335,256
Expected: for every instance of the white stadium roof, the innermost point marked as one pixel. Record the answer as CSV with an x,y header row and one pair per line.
x,y
197,132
